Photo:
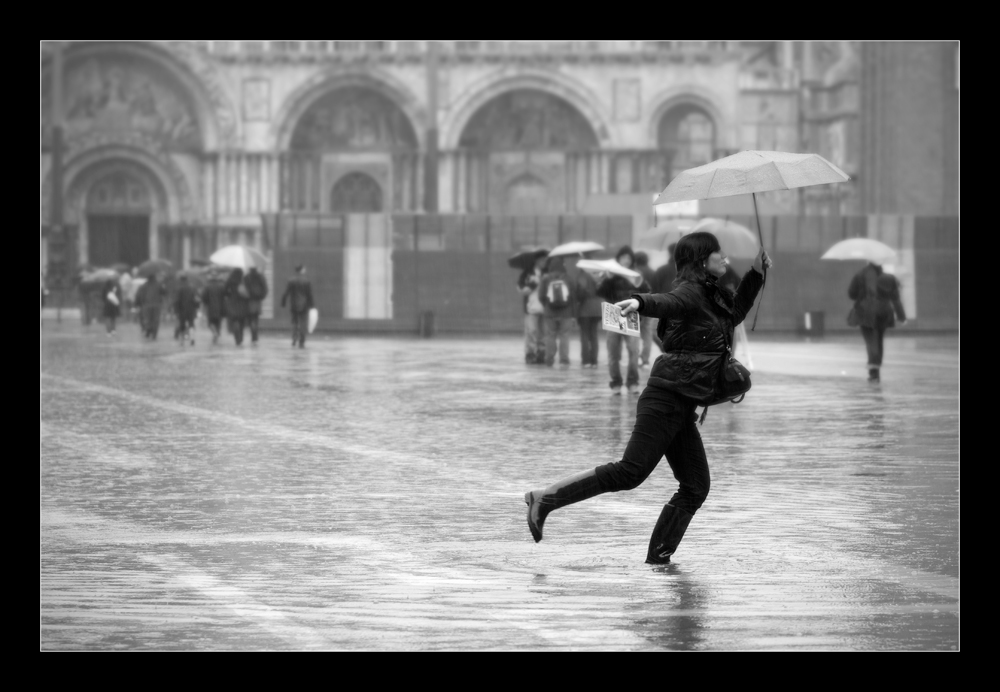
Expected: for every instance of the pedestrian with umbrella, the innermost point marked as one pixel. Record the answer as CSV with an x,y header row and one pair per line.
x,y
750,172
531,261
876,295
237,305
695,321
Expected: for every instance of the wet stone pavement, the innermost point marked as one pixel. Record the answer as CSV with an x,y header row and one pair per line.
x,y
366,494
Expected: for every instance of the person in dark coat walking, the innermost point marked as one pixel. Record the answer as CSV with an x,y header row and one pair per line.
x,y
149,299
588,317
213,297
185,310
877,305
298,295
556,295
696,319
256,286
237,305
614,289
112,296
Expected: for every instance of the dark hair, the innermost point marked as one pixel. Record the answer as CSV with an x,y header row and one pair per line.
x,y
555,264
690,254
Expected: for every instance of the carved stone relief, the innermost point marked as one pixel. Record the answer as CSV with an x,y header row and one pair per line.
x,y
113,95
353,118
528,119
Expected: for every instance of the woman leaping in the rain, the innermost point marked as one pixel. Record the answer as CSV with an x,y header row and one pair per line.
x,y
692,318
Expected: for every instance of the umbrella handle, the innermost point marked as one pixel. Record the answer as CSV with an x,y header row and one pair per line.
x,y
763,265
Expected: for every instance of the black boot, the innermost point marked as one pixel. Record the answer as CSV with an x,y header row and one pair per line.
x,y
667,534
873,375
565,492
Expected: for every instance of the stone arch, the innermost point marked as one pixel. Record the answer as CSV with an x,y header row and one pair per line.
x,y
690,95
468,103
166,181
319,86
213,111
356,192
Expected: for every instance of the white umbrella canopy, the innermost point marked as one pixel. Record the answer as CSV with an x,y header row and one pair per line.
x,y
609,266
865,249
736,240
239,256
576,247
748,172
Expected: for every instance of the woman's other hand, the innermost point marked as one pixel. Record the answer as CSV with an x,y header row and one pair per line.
x,y
628,305
763,260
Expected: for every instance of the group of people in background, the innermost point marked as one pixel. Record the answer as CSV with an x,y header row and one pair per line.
x,y
556,295
236,298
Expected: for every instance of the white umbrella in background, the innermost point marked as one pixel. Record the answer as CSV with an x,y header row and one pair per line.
x,y
239,256
576,247
865,249
609,266
736,240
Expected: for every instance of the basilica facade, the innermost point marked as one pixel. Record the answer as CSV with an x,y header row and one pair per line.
x,y
144,139
171,149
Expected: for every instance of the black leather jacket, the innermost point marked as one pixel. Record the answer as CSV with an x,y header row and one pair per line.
x,y
692,319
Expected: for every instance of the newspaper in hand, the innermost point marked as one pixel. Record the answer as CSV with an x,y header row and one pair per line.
x,y
612,320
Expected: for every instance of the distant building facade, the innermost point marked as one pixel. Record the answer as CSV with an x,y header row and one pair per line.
x,y
156,138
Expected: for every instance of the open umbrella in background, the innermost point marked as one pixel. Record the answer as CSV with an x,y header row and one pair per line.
x,y
576,247
525,259
865,249
239,257
666,232
750,172
599,268
736,240
98,277
152,267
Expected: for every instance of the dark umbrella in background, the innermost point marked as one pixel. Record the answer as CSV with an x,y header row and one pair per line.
x,y
750,172
152,267
525,259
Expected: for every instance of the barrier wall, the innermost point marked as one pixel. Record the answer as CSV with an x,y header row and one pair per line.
x,y
456,267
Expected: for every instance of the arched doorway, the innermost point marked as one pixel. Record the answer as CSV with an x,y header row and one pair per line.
x,y
356,193
119,207
524,142
527,195
350,132
687,135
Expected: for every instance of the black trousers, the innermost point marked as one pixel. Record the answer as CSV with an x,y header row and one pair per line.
x,y
665,425
874,338
300,327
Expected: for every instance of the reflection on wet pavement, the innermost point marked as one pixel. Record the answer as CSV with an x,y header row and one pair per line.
x,y
365,494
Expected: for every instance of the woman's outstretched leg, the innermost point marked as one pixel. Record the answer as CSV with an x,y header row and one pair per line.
x,y
565,492
659,417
